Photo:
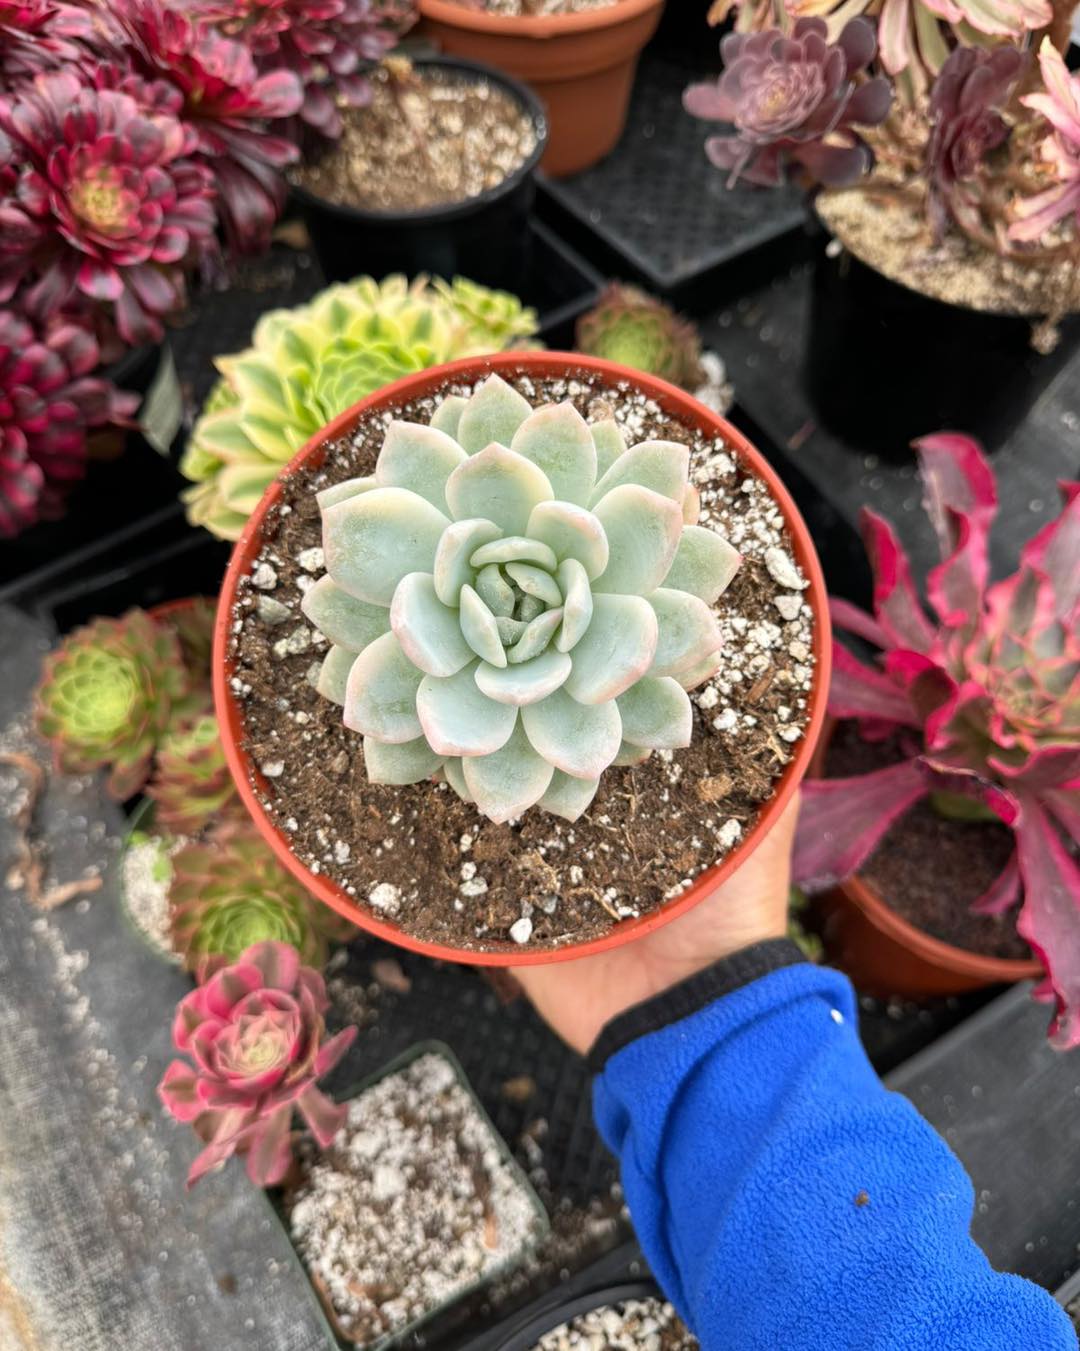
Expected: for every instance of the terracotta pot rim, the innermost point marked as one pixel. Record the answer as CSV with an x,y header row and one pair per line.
x,y
450,211
869,900
535,26
679,404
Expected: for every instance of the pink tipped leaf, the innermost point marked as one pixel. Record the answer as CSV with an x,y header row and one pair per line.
x,y
897,607
1050,917
961,501
852,619
858,691
1055,552
1002,893
841,821
324,1118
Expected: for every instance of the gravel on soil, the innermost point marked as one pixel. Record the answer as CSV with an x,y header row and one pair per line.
x,y
637,1325
411,1206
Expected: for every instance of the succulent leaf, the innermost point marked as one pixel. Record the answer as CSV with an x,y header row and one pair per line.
x,y
344,620
515,598
636,329
372,541
191,784
704,564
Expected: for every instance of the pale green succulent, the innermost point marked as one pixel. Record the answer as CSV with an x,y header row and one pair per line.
x,y
309,364
516,601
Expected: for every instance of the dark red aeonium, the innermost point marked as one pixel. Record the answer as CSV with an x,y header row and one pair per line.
x,y
795,103
35,34
324,42
966,124
227,105
105,202
988,695
49,398
255,1033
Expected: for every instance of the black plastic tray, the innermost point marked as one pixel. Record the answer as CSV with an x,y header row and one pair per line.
x,y
1005,1101
656,212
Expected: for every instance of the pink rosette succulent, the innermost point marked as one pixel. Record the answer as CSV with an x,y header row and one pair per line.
x,y
795,101
255,1033
325,42
106,205
226,104
1059,103
987,694
49,397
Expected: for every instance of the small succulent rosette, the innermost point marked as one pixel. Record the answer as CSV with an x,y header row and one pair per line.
x,y
516,600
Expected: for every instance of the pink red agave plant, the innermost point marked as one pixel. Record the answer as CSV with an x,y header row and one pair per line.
x,y
986,694
256,1035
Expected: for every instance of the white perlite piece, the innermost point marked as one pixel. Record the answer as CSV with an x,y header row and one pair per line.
x,y
783,571
412,1204
264,577
298,641
637,1325
386,897
311,560
729,833
789,606
521,930
273,769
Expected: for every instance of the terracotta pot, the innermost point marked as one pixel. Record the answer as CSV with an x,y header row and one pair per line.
x,y
581,65
539,365
885,955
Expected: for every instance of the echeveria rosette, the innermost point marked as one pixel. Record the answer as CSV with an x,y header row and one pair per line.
x,y
256,1037
796,101
229,892
1059,103
191,784
637,330
107,206
306,365
50,396
966,126
227,105
517,601
107,695
991,689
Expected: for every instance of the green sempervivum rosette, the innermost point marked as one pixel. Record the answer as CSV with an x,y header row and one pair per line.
x,y
228,892
192,785
640,331
309,364
107,695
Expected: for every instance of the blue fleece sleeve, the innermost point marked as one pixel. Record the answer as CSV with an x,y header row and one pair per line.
x,y
785,1199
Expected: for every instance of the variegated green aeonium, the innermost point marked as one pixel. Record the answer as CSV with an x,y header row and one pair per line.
x,y
517,601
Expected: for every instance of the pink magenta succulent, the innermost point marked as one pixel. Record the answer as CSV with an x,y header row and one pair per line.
x,y
988,695
795,102
256,1035
105,203
49,399
966,125
1060,105
226,104
324,42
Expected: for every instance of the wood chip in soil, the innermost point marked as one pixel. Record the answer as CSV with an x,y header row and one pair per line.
x,y
435,140
967,857
411,1205
424,859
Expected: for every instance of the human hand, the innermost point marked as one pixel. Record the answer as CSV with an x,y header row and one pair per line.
x,y
578,998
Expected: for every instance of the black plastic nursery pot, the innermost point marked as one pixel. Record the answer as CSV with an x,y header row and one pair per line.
x,y
407,1333
485,238
885,364
527,1332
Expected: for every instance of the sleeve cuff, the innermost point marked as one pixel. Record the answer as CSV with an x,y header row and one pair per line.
x,y
693,994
